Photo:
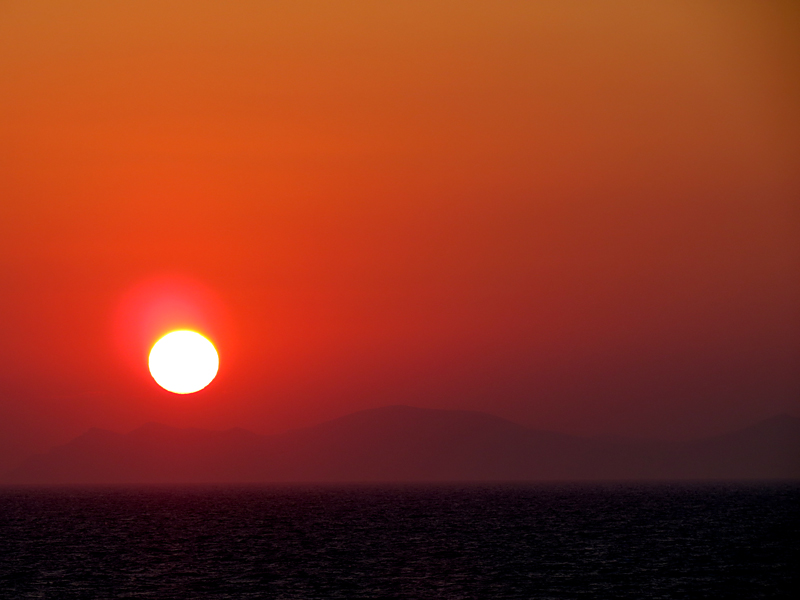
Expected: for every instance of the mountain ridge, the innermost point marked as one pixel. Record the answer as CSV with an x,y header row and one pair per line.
x,y
404,443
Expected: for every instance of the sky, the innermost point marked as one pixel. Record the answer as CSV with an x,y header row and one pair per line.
x,y
582,217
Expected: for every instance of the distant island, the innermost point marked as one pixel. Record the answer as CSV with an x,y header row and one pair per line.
x,y
407,444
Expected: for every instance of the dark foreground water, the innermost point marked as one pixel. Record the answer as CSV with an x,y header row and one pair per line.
x,y
548,541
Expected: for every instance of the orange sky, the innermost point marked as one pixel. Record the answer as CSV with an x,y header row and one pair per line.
x,y
579,216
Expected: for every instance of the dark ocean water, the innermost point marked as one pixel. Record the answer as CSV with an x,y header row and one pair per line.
x,y
498,541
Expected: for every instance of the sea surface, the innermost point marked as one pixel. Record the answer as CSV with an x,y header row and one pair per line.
x,y
402,541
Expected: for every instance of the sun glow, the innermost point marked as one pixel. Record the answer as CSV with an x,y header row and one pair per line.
x,y
183,362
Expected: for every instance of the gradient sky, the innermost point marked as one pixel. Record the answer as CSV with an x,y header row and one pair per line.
x,y
580,216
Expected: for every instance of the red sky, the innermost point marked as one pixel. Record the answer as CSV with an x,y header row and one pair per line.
x,y
579,216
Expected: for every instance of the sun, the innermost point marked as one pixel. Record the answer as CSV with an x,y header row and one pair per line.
x,y
183,362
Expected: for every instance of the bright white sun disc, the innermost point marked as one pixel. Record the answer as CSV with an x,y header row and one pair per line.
x,y
183,362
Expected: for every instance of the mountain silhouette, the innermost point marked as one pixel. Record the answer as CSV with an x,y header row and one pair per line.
x,y
402,443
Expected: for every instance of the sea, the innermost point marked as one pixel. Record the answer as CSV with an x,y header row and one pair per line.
x,y
614,540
